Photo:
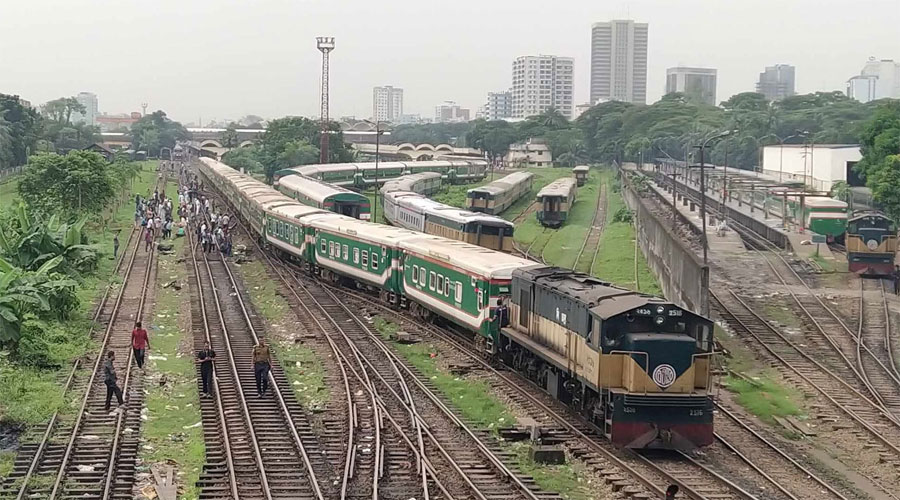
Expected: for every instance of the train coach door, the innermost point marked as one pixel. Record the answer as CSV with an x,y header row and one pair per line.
x,y
525,308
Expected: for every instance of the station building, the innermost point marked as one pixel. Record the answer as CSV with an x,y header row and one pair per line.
x,y
818,166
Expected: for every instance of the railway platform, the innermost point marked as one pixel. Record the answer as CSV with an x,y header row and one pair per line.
x,y
745,207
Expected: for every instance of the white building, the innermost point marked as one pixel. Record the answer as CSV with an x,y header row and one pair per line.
x,y
619,61
531,153
877,80
91,108
697,83
387,103
450,112
540,83
499,106
819,166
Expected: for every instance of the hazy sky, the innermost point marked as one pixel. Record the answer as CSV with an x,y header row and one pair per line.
x,y
225,58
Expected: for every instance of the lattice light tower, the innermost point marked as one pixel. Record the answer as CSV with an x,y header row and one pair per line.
x,y
325,44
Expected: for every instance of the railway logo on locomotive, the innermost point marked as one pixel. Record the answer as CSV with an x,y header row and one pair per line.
x,y
664,375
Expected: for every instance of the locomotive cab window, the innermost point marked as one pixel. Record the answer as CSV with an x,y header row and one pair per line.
x,y
702,336
323,245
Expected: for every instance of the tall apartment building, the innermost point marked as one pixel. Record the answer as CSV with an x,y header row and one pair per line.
x,y
619,61
877,80
498,107
91,108
776,82
450,112
540,83
697,83
387,103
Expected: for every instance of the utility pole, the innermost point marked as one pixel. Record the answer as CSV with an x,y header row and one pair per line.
x,y
675,198
377,143
702,148
325,44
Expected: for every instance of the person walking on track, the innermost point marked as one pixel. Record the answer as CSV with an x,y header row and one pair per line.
x,y
148,238
206,357
110,379
896,280
262,363
116,245
140,343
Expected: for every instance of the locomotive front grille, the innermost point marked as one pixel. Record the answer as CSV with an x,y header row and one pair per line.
x,y
679,401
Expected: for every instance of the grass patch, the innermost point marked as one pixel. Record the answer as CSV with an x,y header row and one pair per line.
x,y
263,292
173,409
472,397
616,252
782,314
566,479
377,204
7,459
305,372
765,397
563,246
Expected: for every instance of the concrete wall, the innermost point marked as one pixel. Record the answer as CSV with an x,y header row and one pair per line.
x,y
683,277
826,165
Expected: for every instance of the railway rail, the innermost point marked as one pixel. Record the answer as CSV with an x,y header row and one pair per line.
x,y
874,353
420,420
592,238
93,454
696,479
269,447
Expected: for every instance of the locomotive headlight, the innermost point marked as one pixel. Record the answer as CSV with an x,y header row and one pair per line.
x,y
660,320
660,309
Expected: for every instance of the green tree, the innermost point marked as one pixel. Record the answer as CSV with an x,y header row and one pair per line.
x,y
155,131
60,110
24,128
885,184
880,137
493,137
244,158
230,137
69,185
294,138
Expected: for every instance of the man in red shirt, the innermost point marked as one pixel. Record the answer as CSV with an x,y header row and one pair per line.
x,y
140,342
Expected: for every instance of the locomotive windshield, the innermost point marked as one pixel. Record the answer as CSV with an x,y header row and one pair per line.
x,y
660,319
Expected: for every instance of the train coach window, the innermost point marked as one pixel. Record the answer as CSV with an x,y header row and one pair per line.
x,y
331,249
356,256
346,252
458,291
422,276
440,284
431,278
324,242
365,259
374,260
415,274
446,287
480,299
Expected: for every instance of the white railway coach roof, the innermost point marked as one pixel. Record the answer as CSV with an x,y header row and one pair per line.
x,y
503,184
314,189
480,260
421,204
297,210
823,203
581,168
559,187
406,182
379,233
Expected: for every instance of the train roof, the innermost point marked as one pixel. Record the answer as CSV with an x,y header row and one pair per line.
x,y
314,189
559,187
378,233
581,168
484,261
406,182
419,203
502,184
602,298
818,202
297,210
312,170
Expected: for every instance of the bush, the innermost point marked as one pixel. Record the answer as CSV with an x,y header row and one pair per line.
x,y
45,344
623,214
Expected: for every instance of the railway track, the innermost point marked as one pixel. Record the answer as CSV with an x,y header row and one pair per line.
x,y
874,353
525,213
646,473
592,238
92,453
263,447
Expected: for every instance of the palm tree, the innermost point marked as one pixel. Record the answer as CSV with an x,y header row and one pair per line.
x,y
552,119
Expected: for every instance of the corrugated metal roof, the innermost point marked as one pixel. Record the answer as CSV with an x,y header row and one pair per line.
x,y
559,187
